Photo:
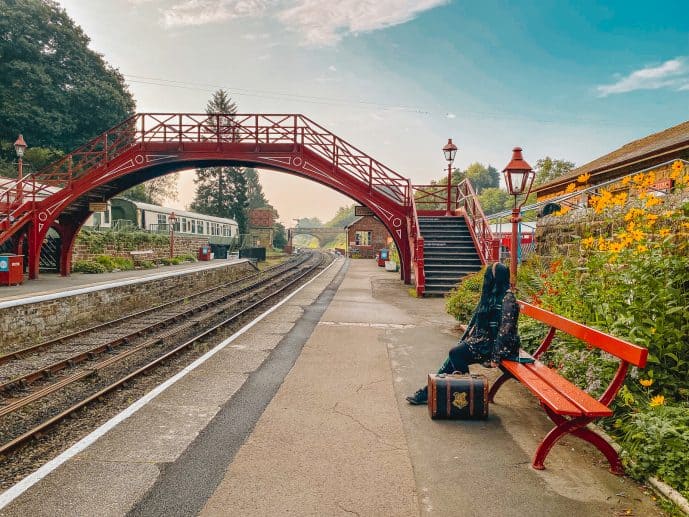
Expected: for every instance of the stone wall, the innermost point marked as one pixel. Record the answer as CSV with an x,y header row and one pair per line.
x,y
183,246
28,324
559,235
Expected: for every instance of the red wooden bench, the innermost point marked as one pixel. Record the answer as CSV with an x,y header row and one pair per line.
x,y
570,408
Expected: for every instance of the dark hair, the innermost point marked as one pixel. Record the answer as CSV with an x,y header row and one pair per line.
x,y
496,283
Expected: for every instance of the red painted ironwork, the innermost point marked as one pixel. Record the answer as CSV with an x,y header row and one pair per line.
x,y
156,144
468,202
573,410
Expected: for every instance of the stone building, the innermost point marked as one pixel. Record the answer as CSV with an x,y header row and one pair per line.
x,y
365,236
655,152
261,228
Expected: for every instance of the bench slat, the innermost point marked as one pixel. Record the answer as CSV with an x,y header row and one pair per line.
x,y
588,405
541,389
635,354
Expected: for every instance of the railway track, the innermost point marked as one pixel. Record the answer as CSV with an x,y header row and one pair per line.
x,y
61,376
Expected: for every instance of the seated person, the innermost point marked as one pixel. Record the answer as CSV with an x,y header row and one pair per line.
x,y
491,334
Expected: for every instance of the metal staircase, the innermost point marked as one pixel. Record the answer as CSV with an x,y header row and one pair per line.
x,y
449,252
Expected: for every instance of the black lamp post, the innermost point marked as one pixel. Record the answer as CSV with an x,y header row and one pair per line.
x,y
518,177
450,151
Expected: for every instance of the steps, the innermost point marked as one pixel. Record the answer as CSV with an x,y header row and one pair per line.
x,y
449,253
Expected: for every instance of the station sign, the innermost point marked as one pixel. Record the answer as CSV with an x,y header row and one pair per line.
x,y
360,210
664,185
98,206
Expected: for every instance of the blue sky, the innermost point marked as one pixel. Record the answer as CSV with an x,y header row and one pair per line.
x,y
396,78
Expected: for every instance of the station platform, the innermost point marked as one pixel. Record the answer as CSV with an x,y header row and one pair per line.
x,y
303,413
48,284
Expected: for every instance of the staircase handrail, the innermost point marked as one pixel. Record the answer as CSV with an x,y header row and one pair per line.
x,y
478,222
416,244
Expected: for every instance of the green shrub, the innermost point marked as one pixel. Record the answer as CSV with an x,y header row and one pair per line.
x,y
88,266
187,258
462,300
123,264
106,261
146,264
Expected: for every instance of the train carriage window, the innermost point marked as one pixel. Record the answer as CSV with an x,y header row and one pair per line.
x,y
208,228
192,226
199,227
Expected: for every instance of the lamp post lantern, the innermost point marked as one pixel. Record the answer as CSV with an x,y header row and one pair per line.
x,y
519,177
19,148
450,151
172,219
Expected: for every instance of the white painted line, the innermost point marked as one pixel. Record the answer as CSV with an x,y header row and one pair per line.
x,y
108,285
15,491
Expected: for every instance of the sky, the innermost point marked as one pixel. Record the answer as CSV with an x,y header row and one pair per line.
x,y
396,78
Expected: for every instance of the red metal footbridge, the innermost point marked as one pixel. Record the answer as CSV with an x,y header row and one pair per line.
x,y
146,146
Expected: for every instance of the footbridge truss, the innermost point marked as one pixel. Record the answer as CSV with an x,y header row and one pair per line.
x,y
147,146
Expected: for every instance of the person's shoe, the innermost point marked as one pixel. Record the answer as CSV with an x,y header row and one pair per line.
x,y
420,397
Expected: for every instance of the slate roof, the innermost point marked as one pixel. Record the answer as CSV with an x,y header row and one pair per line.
x,y
646,147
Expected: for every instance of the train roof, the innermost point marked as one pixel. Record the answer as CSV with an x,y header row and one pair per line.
x,y
179,213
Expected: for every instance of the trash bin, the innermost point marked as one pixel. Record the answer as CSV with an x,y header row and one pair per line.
x,y
205,253
11,269
382,257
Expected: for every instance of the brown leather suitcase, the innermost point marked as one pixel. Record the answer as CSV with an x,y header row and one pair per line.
x,y
457,396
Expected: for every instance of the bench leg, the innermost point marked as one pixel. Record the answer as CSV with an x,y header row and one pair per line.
x,y
562,428
496,386
603,446
576,427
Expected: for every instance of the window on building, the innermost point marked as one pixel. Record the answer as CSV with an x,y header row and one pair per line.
x,y
363,238
106,215
162,219
199,227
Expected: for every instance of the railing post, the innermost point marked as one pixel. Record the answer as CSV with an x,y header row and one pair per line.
x,y
179,129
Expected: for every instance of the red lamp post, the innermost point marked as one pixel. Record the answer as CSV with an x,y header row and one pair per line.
x,y
172,219
450,151
519,177
19,148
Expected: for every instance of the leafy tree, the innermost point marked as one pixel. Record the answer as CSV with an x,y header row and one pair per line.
x,y
549,169
155,191
35,158
53,88
254,190
279,236
481,176
344,216
494,199
222,191
309,222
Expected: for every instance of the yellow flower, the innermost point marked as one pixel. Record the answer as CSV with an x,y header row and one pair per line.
x,y
638,178
620,199
653,201
675,174
626,180
664,232
646,383
637,235
685,225
641,248
658,400
587,242
677,166
651,218
583,178
570,188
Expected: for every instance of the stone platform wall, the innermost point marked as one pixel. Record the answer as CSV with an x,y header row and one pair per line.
x,y
184,245
28,324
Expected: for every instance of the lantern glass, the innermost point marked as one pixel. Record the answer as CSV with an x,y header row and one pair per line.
x,y
20,146
450,151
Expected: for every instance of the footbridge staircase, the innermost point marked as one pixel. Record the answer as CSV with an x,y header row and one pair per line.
x,y
437,245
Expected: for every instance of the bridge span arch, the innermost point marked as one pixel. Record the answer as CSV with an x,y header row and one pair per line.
x,y
151,145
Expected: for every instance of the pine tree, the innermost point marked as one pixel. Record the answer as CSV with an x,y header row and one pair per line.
x,y
222,191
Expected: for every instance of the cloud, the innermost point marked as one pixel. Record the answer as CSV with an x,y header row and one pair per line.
x,y
325,23
318,22
450,115
202,12
332,68
672,74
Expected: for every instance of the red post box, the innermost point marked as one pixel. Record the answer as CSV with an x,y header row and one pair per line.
x,y
205,253
11,269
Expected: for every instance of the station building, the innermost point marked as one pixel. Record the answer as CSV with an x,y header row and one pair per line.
x,y
655,152
366,235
